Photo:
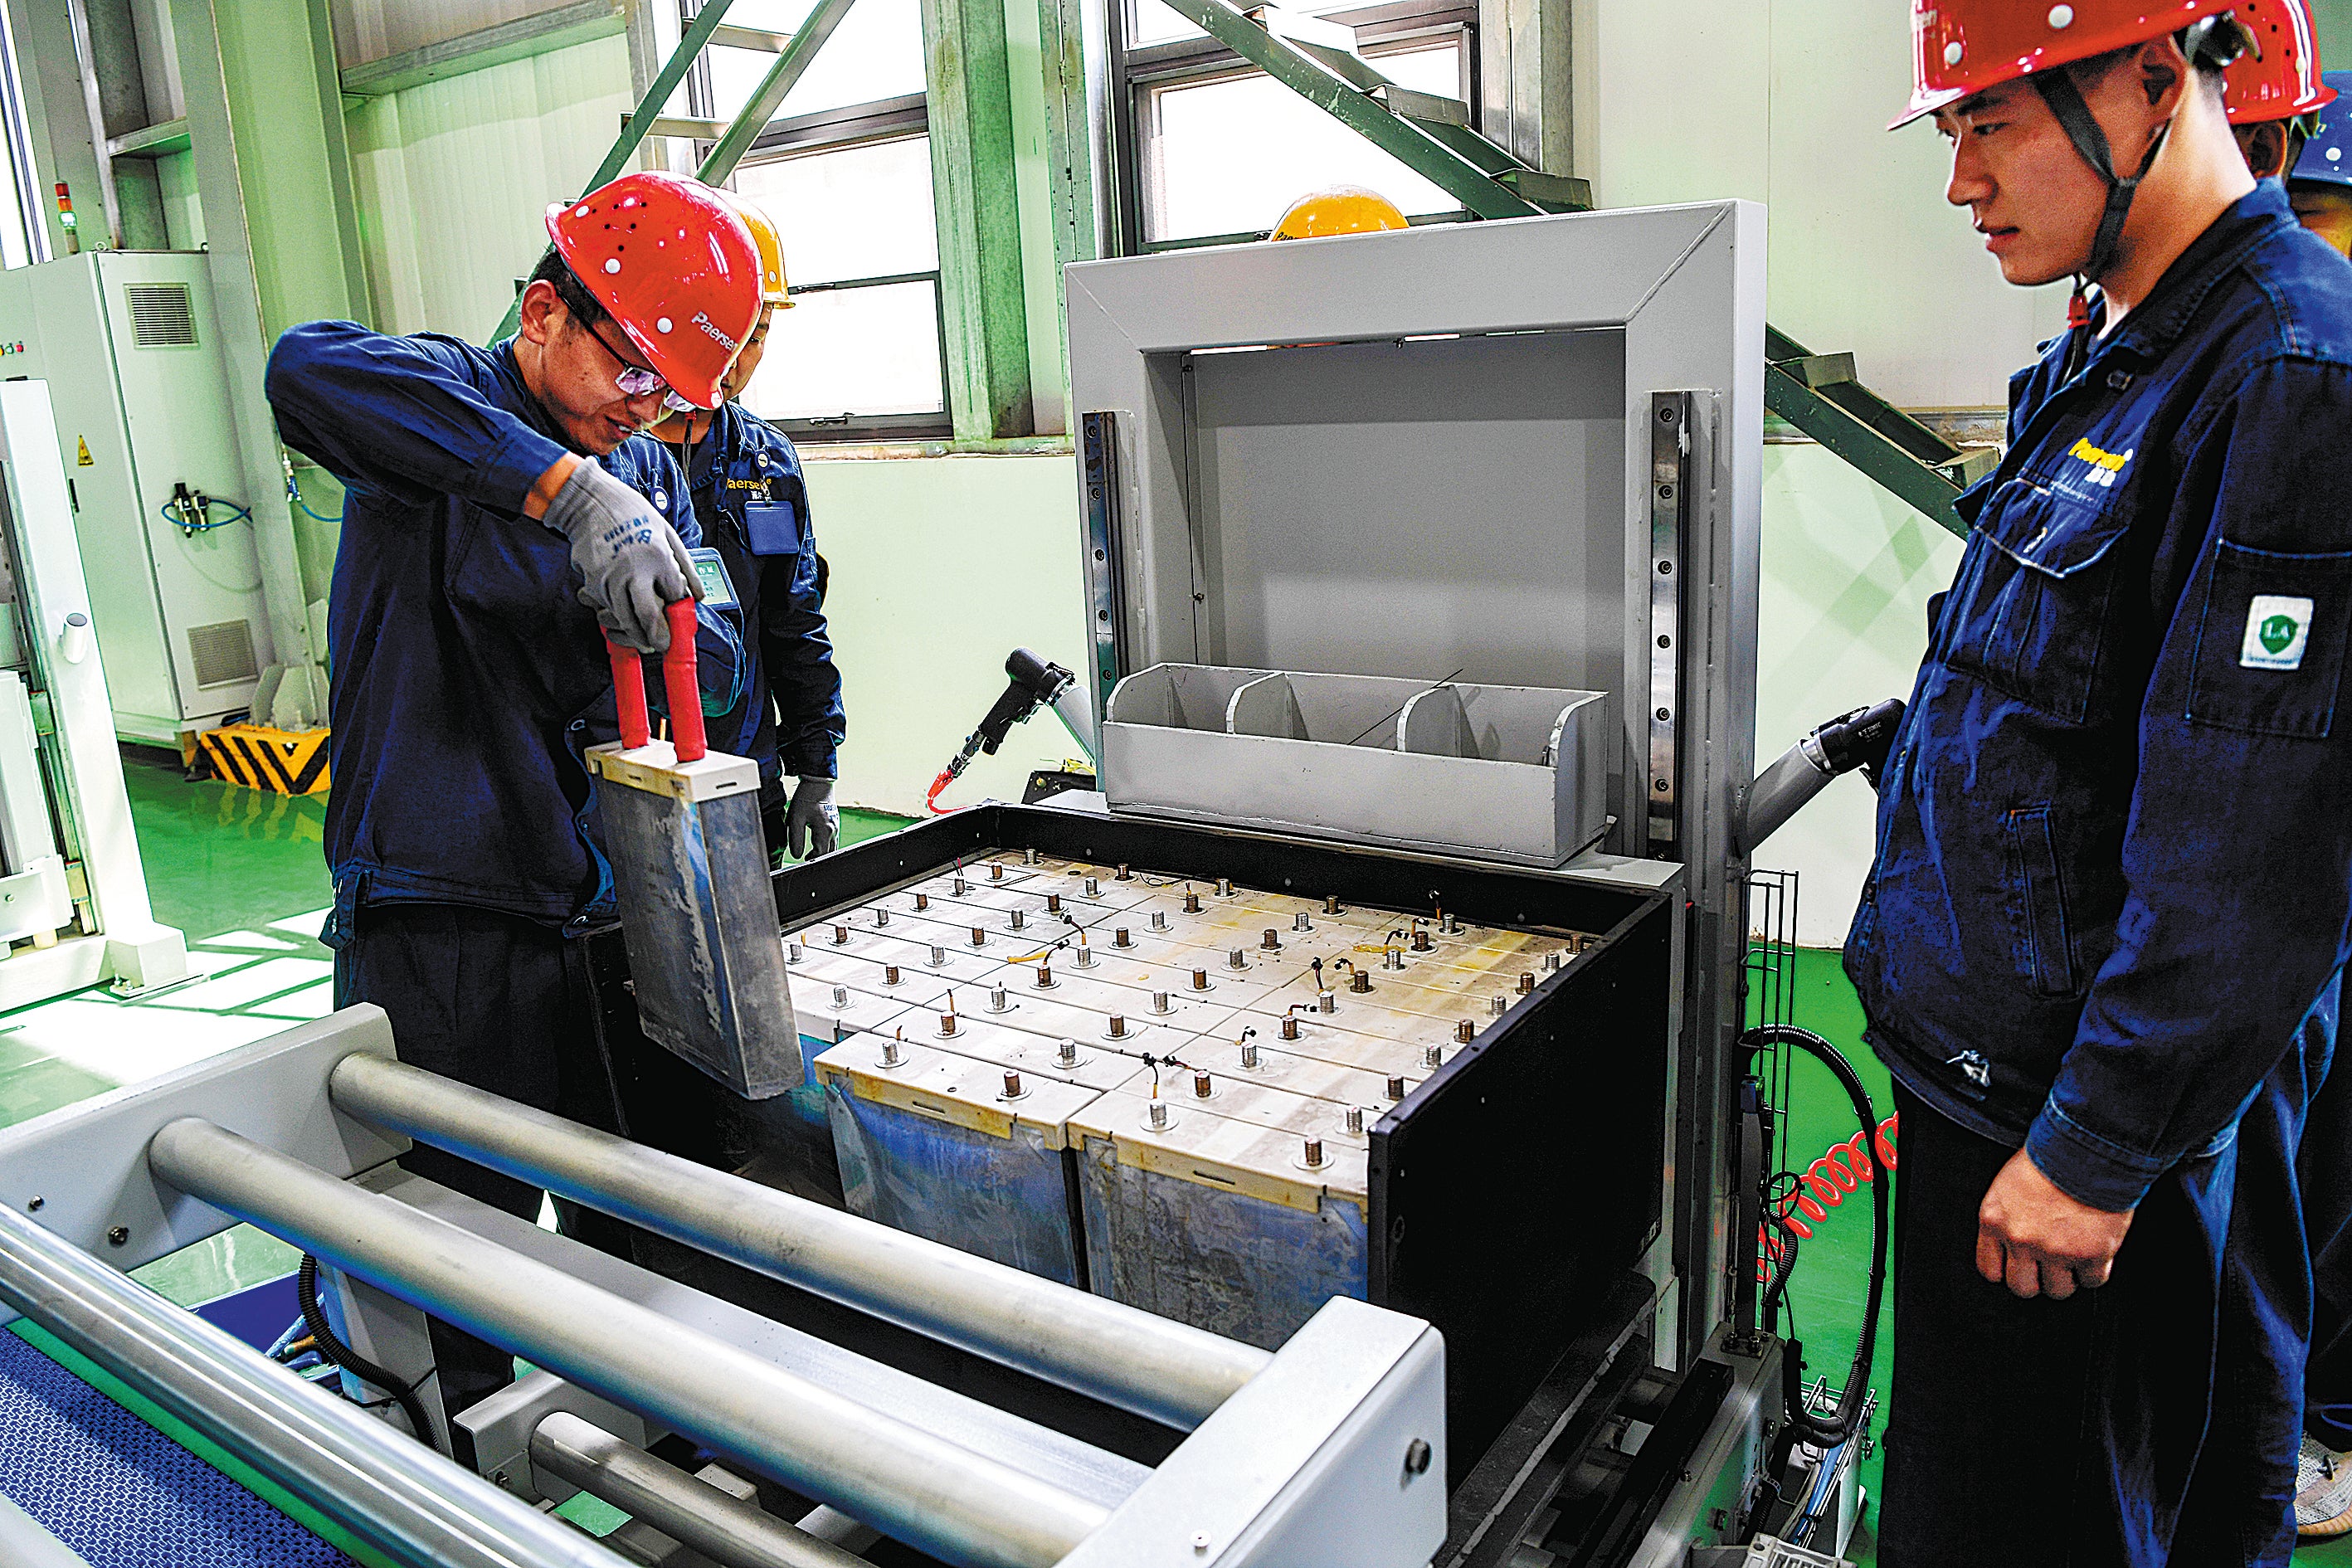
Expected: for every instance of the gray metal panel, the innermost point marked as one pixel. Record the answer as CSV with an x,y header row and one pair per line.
x,y
1422,509
1308,1465
1576,270
81,1172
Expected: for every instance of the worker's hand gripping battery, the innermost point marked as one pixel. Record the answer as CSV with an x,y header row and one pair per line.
x,y
677,682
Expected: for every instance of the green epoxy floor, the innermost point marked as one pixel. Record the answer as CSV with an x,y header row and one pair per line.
x,y
241,873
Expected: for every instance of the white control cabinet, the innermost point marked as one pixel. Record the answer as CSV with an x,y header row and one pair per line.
x,y
130,347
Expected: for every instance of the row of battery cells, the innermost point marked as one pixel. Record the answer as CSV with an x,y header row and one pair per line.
x,y
1166,1089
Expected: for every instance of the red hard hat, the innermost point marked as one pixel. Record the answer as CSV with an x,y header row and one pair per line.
x,y
2284,80
1962,47
676,268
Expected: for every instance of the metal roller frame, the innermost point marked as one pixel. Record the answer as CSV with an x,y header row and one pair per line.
x,y
1301,1461
962,1507
1117,1353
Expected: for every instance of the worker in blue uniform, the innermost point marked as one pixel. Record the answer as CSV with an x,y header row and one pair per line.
x,y
2101,945
2319,185
504,516
745,480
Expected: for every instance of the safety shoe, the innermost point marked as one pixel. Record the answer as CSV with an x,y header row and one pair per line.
x,y
2322,1491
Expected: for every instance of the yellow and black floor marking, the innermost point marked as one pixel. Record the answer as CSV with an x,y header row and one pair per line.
x,y
289,762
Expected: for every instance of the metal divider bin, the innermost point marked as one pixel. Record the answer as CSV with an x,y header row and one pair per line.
x,y
1504,773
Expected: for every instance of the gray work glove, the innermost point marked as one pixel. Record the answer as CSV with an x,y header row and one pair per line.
x,y
815,822
630,561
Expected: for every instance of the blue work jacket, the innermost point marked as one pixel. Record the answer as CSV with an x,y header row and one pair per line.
x,y
2114,838
745,480
466,679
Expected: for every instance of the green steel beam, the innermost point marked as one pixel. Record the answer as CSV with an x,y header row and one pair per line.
x,y
159,140
634,131
1924,489
773,89
1343,91
977,202
1819,395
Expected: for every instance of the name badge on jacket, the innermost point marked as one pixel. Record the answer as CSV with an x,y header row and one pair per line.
x,y
772,529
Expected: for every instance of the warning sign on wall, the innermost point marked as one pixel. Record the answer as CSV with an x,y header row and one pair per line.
x,y
81,458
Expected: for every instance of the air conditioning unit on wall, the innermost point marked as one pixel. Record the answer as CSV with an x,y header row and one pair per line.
x,y
130,347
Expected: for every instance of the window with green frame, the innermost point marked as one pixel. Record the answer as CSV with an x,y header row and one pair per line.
x,y
1210,150
844,171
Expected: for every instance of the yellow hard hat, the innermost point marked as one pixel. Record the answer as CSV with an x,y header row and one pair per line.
x,y
1341,209
770,243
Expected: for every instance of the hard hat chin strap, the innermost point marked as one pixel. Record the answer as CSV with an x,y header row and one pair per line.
x,y
2210,40
2075,117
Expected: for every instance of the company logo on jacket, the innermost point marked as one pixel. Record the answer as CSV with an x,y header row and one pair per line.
x,y
2103,465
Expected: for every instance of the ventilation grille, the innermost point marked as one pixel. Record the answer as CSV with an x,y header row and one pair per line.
x,y
223,653
162,315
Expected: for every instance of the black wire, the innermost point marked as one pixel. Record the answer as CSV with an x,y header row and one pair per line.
x,y
1779,1285
306,1289
1802,1424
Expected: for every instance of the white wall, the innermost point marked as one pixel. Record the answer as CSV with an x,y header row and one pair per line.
x,y
1787,102
452,178
1842,621
940,567
373,29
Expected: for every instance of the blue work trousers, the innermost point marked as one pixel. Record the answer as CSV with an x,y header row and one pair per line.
x,y
2152,1423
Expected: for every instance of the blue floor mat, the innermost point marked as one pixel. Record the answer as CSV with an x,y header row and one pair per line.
x,y
120,1493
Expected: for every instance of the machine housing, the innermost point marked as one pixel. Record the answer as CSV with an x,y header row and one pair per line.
x,y
132,349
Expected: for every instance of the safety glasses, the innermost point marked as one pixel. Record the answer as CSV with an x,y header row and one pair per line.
x,y
634,381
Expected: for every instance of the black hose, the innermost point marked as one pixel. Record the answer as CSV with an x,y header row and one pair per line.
x,y
1802,1424
306,1289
